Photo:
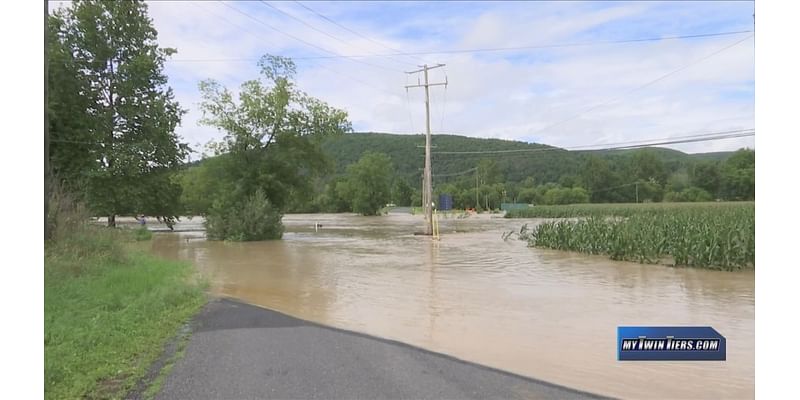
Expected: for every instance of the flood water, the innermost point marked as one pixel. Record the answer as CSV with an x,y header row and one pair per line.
x,y
546,314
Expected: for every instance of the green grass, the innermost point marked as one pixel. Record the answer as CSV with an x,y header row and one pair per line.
x,y
706,235
166,369
109,310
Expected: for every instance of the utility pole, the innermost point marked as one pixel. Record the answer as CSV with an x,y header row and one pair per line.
x,y
637,192
477,201
427,192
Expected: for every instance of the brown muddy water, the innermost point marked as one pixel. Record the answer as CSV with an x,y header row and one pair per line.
x,y
541,313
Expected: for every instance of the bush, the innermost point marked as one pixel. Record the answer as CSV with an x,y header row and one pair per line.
x,y
255,219
558,196
690,194
142,234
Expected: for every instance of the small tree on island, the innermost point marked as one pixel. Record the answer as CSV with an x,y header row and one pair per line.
x,y
271,147
367,185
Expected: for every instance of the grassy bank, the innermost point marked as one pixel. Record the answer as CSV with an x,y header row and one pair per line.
x,y
707,235
109,309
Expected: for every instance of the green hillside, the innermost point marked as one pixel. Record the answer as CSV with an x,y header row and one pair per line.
x,y
543,163
407,153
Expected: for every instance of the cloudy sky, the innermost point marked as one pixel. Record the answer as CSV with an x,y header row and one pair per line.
x,y
594,93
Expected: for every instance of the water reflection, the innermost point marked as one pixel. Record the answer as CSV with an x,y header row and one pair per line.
x,y
547,314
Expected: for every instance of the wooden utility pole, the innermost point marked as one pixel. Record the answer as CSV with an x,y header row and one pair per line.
x,y
427,192
477,201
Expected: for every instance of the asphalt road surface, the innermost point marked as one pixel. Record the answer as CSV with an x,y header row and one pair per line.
x,y
239,351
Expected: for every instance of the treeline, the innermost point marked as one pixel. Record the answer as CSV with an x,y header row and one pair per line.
x,y
639,176
540,175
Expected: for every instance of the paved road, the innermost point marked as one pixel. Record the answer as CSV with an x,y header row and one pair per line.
x,y
239,351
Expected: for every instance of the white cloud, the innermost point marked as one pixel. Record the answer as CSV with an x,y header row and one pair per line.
x,y
511,95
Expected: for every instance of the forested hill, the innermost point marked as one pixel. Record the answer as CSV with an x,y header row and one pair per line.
x,y
543,163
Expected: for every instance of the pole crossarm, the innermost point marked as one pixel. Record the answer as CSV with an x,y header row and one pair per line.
x,y
425,67
430,84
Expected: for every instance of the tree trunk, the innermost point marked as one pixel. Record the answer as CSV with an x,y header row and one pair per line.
x,y
112,222
46,135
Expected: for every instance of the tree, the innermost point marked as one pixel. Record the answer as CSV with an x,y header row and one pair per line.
x,y
678,181
600,181
707,176
739,176
201,183
488,172
272,143
402,193
332,201
113,117
568,181
648,167
367,184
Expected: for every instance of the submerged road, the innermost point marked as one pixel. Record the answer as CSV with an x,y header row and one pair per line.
x,y
239,351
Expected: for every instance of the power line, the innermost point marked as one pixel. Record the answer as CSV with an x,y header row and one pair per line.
x,y
711,136
640,87
626,147
606,147
399,52
309,25
635,142
483,50
312,63
455,174
301,40
613,187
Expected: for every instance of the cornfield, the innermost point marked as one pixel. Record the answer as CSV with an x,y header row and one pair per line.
x,y
618,209
718,236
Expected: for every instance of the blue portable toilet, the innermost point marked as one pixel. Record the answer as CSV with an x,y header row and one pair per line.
x,y
445,202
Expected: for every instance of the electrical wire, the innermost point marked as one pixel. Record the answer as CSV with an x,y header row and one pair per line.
x,y
360,35
748,132
640,87
262,2
626,147
455,174
303,41
310,62
496,49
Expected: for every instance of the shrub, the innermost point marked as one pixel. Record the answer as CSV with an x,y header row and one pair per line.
x,y
690,194
142,234
254,219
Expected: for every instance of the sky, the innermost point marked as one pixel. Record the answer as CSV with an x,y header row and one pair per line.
x,y
592,94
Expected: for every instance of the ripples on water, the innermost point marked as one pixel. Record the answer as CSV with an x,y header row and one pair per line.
x,y
547,314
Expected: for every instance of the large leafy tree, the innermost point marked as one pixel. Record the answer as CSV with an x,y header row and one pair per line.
x,y
271,145
112,115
